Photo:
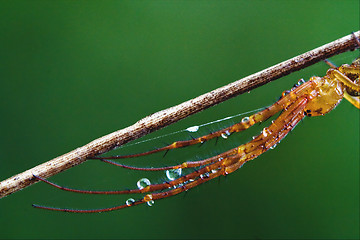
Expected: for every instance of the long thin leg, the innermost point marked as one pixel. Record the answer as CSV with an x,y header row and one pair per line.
x,y
270,136
238,127
353,100
334,73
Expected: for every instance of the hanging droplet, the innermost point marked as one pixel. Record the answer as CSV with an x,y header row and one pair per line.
x,y
223,135
205,175
130,201
301,81
193,129
285,93
150,203
173,174
148,199
273,146
245,119
266,132
143,183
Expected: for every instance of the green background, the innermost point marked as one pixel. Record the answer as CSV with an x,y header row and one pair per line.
x,y
72,71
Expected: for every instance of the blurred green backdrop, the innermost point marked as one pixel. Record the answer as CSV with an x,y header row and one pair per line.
x,y
72,71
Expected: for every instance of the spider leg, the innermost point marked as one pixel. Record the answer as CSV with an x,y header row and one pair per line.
x,y
334,73
188,164
147,198
291,117
89,210
273,134
246,123
330,63
149,188
185,180
270,136
352,99
349,69
221,164
350,74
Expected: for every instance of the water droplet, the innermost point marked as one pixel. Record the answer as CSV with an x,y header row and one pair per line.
x,y
205,175
266,132
273,146
220,158
214,171
143,183
223,135
193,129
150,203
245,119
285,93
301,81
148,197
253,137
130,201
173,174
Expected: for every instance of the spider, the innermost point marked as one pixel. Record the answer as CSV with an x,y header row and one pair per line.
x,y
315,97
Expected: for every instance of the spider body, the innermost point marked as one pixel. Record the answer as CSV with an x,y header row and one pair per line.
x,y
315,97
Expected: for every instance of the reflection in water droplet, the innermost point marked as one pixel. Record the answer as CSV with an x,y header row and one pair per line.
x,y
205,175
223,135
266,132
143,183
193,129
148,197
301,81
245,119
130,201
150,203
273,146
173,174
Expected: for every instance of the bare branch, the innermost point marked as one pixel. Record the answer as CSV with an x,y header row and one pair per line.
x,y
171,115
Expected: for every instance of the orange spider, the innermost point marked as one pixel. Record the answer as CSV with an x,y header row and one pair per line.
x,y
315,97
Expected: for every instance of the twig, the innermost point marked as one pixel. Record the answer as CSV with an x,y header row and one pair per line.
x,y
171,115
